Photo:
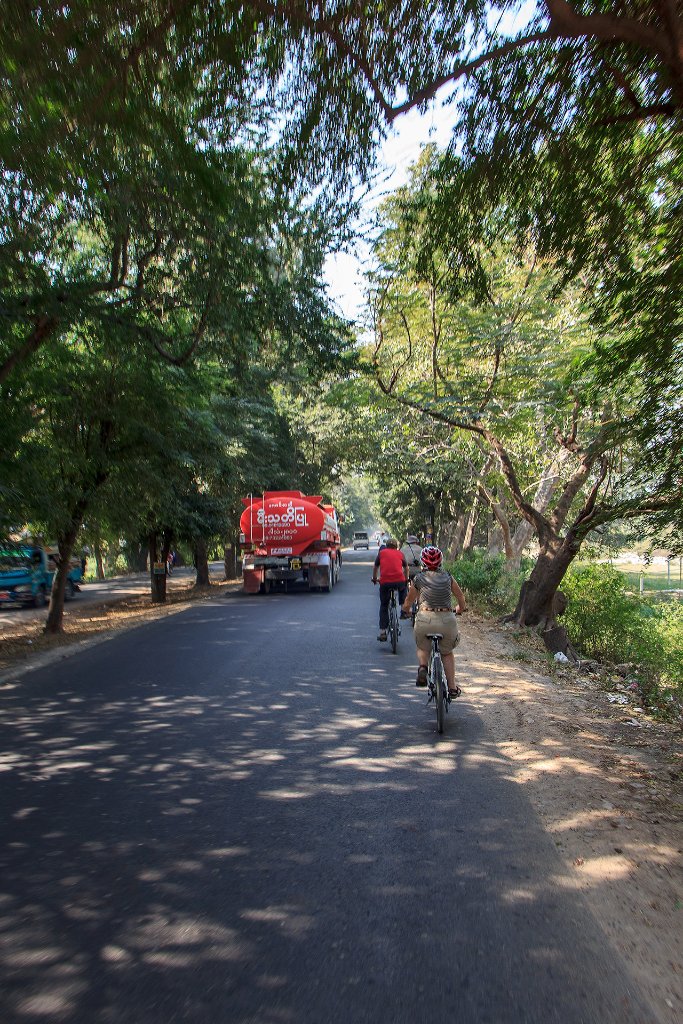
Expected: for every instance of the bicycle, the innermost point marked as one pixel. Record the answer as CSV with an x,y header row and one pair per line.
x,y
394,629
436,681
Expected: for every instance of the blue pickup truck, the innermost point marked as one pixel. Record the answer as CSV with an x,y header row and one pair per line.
x,y
27,572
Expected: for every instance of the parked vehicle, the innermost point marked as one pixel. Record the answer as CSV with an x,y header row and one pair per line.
x,y
286,537
361,540
27,572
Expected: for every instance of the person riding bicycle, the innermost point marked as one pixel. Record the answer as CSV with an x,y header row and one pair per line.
x,y
432,589
411,549
393,575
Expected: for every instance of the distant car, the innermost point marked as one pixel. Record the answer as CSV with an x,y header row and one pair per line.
x,y
361,540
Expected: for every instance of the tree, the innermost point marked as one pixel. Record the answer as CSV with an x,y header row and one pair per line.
x,y
504,369
89,412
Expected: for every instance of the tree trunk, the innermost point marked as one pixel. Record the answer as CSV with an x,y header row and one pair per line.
x,y
544,493
55,614
157,579
495,540
453,534
137,553
201,562
230,561
473,518
537,605
99,561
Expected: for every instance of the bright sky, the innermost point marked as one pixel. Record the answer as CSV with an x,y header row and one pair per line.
x,y
344,273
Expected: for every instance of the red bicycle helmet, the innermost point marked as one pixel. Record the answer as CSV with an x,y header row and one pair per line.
x,y
431,557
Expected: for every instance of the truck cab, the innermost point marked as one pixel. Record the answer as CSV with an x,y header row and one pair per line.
x,y
27,572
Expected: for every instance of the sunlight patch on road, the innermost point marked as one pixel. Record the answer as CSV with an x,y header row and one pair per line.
x,y
289,919
228,851
518,895
285,794
115,955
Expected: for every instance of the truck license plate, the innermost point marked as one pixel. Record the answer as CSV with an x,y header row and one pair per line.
x,y
295,563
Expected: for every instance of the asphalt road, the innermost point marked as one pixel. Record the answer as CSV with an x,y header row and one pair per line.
x,y
244,813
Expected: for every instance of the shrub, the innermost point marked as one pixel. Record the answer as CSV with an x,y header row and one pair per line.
x,y
609,625
669,626
603,621
478,573
487,581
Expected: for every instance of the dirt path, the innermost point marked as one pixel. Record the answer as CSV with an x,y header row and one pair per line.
x,y
604,778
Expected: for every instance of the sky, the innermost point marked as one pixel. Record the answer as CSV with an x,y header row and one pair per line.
x,y
409,133
402,148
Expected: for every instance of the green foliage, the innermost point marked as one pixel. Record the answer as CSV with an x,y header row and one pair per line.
x,y
609,625
669,626
479,573
487,580
603,621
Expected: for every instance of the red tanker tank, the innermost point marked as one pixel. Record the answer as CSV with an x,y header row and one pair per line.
x,y
286,522
287,535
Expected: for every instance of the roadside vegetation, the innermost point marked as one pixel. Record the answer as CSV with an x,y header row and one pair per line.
x,y
607,624
172,187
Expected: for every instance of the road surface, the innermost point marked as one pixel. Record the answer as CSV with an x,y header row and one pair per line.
x,y
243,813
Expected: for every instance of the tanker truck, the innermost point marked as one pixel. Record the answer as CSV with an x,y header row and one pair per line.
x,y
288,537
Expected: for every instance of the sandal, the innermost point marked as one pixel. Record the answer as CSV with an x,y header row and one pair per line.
x,y
421,676
452,694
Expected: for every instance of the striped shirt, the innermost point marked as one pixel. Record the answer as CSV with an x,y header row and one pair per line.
x,y
434,588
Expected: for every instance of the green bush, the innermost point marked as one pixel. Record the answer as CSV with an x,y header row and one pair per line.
x,y
603,621
669,626
487,582
609,625
478,573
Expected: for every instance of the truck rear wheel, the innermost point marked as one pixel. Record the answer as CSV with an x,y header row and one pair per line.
x,y
39,599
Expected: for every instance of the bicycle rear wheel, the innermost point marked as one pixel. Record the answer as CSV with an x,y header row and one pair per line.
x,y
393,625
439,691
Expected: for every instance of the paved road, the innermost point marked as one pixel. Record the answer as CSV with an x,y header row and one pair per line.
x,y
243,813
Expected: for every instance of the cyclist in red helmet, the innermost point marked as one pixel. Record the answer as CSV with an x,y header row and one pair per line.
x,y
432,589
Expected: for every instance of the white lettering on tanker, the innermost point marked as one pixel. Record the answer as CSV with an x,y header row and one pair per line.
x,y
292,516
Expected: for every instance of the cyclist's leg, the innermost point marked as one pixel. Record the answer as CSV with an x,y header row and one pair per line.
x,y
423,646
449,668
402,591
384,595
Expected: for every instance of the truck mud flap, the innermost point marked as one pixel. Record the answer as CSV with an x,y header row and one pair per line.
x,y
252,580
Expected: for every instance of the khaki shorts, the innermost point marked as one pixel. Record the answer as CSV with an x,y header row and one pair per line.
x,y
437,622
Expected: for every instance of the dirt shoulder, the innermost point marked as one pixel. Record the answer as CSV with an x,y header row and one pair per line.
x,y
605,779
603,776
